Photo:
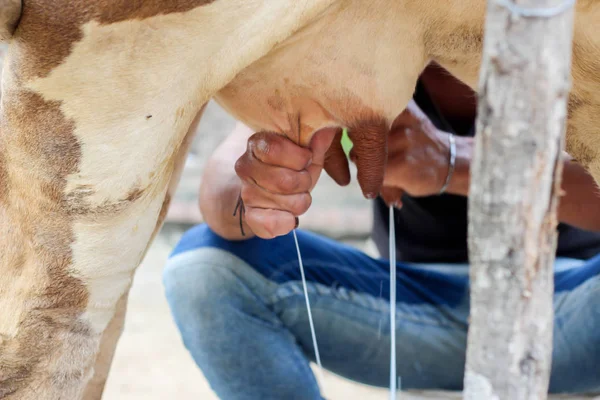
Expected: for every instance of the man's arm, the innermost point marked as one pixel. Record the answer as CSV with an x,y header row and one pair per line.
x,y
418,165
220,187
273,176
579,206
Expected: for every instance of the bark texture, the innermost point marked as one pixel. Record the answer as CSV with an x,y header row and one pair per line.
x,y
524,85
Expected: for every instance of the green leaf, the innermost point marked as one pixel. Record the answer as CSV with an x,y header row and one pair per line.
x,y
346,143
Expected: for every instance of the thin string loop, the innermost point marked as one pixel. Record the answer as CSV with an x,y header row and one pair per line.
x,y
546,12
310,318
392,244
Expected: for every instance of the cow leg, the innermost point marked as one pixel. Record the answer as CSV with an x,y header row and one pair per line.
x,y
97,99
82,195
66,266
106,352
70,258
111,335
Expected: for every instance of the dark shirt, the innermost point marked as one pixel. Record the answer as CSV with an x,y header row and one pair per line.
x,y
434,228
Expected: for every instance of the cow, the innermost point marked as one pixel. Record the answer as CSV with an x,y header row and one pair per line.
x,y
100,99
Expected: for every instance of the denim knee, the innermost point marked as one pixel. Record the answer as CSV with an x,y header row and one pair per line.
x,y
212,294
195,286
200,283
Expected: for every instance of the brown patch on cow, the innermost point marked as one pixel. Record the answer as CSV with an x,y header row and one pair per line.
x,y
34,133
76,202
10,12
76,198
20,363
134,194
40,131
106,208
47,36
110,11
3,178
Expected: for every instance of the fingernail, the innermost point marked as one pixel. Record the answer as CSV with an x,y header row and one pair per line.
x,y
297,223
398,204
370,195
308,163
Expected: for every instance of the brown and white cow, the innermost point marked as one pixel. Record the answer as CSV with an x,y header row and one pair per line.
x,y
98,100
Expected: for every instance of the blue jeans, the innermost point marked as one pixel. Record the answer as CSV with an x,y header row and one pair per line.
x,y
241,312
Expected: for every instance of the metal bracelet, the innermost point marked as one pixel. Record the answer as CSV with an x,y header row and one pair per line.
x,y
451,163
536,12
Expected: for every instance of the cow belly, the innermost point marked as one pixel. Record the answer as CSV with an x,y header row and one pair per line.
x,y
327,75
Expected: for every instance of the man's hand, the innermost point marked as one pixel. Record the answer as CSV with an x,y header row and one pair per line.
x,y
418,155
277,178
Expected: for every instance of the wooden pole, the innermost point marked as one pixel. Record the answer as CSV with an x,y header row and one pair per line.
x,y
515,181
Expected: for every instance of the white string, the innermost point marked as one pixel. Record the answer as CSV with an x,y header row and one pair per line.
x,y
392,245
310,319
537,12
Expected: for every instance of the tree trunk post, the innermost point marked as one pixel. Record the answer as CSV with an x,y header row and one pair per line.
x,y
515,183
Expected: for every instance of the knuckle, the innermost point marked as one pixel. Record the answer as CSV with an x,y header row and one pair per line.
x,y
300,203
248,194
288,182
241,166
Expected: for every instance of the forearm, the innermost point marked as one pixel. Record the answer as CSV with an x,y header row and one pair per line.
x,y
461,176
580,205
218,200
220,188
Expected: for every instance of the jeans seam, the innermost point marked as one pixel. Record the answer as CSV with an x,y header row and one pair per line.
x,y
325,291
309,262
